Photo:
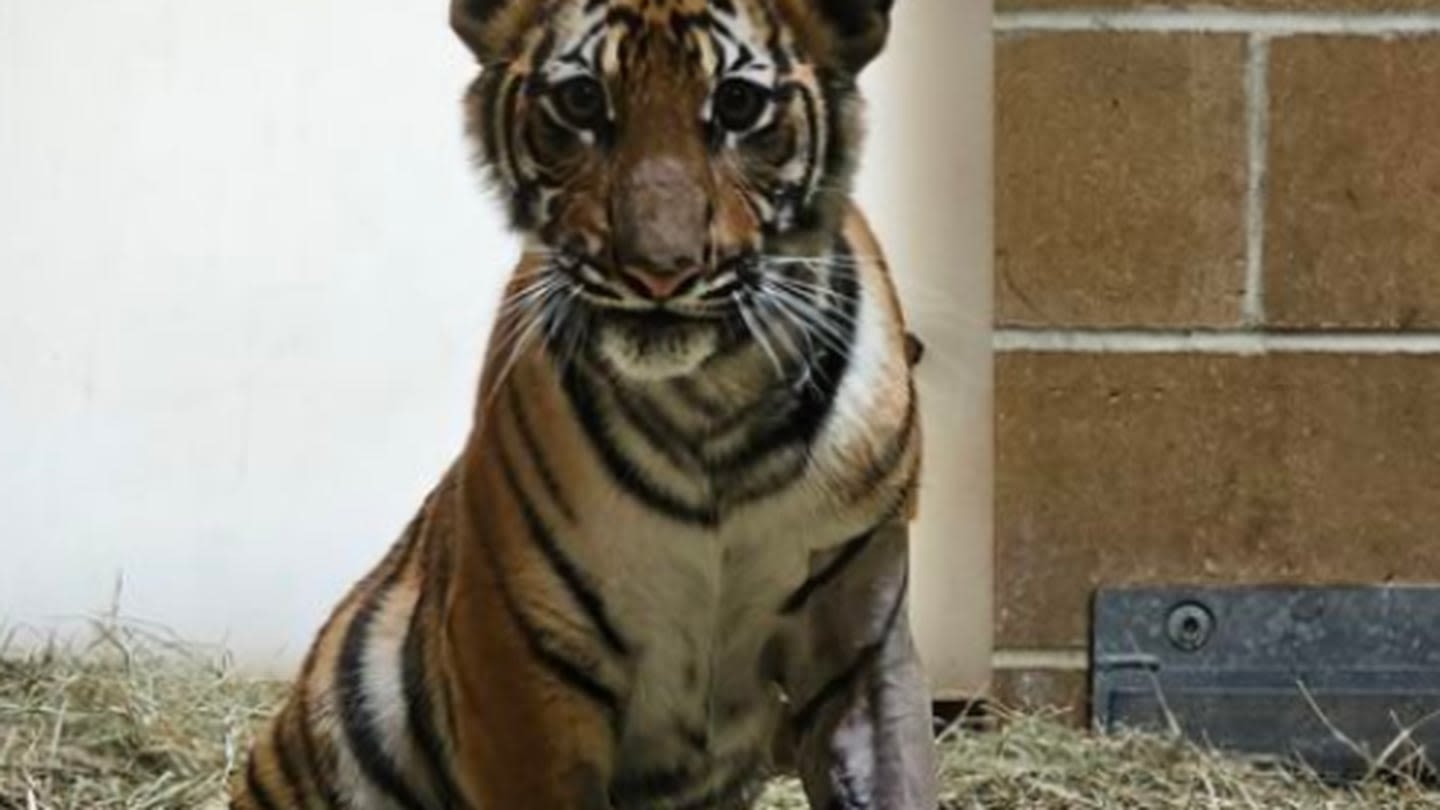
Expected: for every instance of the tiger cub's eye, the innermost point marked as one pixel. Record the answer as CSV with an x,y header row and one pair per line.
x,y
739,104
581,101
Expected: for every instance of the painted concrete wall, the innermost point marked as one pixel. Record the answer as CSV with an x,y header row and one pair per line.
x,y
245,275
926,185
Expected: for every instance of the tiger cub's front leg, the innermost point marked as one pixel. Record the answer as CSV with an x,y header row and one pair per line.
x,y
862,726
535,725
539,744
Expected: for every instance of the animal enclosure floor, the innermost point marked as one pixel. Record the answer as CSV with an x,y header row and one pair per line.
x,y
141,722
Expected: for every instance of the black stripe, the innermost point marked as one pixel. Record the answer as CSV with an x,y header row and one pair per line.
x,y
543,50
656,428
814,402
580,590
747,196
830,571
626,18
256,787
320,772
289,772
622,471
805,718
765,440
686,390
736,791
441,576
784,62
523,192
817,401
545,646
682,24
355,715
655,786
812,124
838,89
718,72
487,90
718,28
649,786
577,55
535,452
739,490
743,58
420,708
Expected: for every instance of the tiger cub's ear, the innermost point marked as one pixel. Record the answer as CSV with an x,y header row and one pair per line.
x,y
914,349
860,27
487,27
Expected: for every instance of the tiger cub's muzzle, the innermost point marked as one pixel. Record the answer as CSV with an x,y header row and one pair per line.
x,y
663,248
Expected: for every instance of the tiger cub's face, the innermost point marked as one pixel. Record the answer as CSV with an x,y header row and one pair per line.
x,y
670,161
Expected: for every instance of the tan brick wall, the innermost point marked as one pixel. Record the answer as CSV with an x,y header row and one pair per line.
x,y
1218,305
1304,6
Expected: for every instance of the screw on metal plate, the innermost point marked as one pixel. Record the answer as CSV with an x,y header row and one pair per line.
x,y
1189,626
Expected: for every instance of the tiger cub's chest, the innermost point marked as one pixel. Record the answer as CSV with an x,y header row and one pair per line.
x,y
705,698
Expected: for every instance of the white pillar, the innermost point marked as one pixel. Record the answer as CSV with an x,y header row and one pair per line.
x,y
926,186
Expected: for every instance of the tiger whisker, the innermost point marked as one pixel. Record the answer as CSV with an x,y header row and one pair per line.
x,y
811,289
579,329
524,321
820,317
852,260
752,327
807,361
565,324
527,295
810,317
804,359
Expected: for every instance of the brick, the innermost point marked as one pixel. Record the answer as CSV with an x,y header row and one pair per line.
x,y
1121,177
1368,6
1064,691
1207,469
1354,188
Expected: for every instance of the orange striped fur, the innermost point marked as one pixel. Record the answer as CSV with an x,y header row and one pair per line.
x,y
670,559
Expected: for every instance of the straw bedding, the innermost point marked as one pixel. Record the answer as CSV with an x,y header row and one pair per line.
x,y
139,721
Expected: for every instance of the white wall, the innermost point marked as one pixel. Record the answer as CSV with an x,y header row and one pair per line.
x,y
245,274
926,185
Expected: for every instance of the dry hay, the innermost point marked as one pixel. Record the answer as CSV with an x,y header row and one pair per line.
x,y
138,721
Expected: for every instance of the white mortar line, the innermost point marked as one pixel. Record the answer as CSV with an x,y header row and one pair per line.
x,y
1061,659
1215,21
1137,341
1257,102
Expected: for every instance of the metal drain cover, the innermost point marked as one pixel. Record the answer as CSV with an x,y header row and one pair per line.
x,y
1332,676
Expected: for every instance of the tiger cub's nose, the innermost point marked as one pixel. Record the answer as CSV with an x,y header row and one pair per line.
x,y
661,221
661,285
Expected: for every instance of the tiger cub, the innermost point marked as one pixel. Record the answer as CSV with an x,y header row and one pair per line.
x,y
670,559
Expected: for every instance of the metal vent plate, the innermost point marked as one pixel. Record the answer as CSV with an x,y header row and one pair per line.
x,y
1331,676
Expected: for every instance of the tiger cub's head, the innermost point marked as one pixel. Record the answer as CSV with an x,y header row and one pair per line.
x,y
675,164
